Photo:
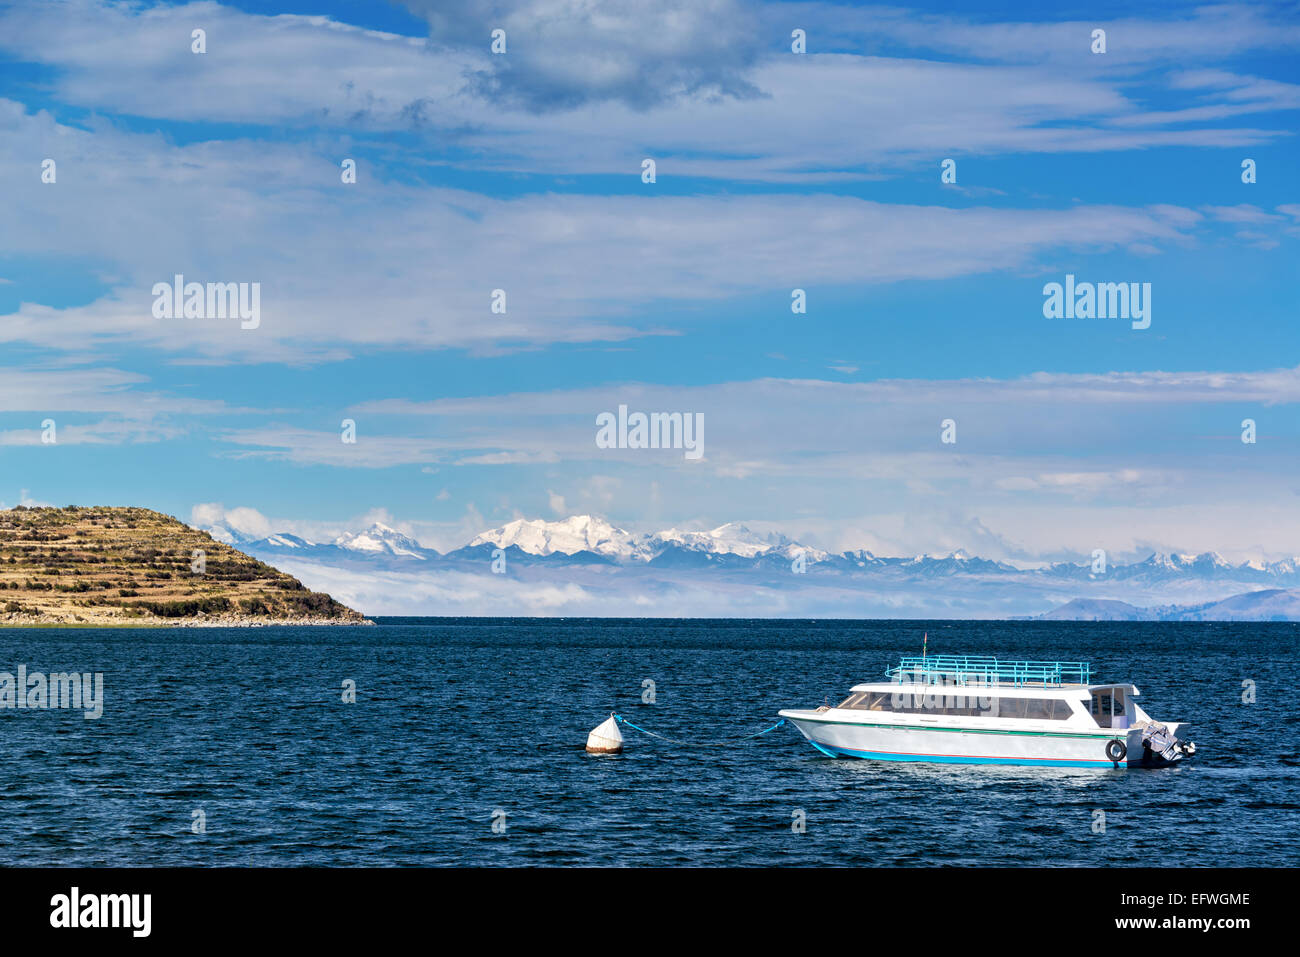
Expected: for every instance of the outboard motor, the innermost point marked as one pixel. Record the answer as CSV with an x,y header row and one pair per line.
x,y
1161,742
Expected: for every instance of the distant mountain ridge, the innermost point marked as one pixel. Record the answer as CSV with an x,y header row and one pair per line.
x,y
585,565
1266,604
572,536
378,539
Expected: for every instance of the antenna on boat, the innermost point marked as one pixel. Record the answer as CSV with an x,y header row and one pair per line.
x,y
924,638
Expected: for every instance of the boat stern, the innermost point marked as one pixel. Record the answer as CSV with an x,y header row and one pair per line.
x,y
1154,744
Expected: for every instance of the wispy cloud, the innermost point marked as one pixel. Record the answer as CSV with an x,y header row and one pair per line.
x,y
711,87
562,260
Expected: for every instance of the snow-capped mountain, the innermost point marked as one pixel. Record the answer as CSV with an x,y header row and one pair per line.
x,y
590,565
379,539
594,536
577,533
1208,566
285,540
587,533
733,539
227,535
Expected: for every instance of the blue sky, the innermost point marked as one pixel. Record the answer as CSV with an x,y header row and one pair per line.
x,y
775,171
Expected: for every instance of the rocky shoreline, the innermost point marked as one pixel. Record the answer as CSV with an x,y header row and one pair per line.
x,y
244,621
151,621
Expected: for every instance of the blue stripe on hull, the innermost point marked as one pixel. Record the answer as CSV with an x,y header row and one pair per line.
x,y
835,751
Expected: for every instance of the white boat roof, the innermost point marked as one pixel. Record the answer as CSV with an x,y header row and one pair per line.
x,y
1014,678
1003,690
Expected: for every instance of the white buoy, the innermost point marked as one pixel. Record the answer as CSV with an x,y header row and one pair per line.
x,y
606,739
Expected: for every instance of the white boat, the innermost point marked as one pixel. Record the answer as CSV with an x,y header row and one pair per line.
x,y
981,710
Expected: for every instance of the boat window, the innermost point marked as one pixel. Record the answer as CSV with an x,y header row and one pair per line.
x,y
1040,709
868,701
959,705
1012,707
1036,709
1102,707
1061,709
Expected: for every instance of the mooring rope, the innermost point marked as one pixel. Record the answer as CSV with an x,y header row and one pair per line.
x,y
696,744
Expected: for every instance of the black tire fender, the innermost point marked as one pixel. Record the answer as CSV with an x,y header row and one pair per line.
x,y
1116,750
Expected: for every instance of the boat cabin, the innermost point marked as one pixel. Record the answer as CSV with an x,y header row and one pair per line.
x,y
982,686
1112,706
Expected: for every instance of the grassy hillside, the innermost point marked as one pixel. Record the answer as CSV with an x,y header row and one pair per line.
x,y
106,566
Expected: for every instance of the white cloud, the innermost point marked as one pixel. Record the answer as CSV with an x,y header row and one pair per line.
x,y
584,91
844,457
311,447
556,503
131,412
1208,33
94,390
127,59
247,521
562,259
25,499
562,53
446,593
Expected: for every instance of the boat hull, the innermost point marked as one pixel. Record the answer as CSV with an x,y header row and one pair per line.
x,y
946,745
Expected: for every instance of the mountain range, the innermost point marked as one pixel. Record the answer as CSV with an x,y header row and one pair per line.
x,y
1266,604
585,565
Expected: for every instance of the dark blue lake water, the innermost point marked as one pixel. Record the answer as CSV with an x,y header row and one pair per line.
x,y
456,719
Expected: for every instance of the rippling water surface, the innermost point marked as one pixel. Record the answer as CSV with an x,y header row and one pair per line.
x,y
456,719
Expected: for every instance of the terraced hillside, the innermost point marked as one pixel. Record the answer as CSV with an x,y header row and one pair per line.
x,y
103,566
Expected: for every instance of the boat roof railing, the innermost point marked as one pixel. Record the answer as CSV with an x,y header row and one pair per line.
x,y
985,670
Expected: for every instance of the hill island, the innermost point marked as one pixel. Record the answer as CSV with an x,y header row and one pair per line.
x,y
134,566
